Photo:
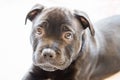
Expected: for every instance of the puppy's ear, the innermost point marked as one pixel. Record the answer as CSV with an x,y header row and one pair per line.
x,y
85,21
34,12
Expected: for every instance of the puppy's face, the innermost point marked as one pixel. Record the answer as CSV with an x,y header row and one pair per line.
x,y
56,38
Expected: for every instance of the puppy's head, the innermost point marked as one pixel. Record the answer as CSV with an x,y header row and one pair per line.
x,y
56,36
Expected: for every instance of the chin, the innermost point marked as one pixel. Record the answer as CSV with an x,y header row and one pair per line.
x,y
48,67
52,67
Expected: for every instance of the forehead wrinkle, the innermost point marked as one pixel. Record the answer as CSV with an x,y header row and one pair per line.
x,y
55,14
56,17
58,14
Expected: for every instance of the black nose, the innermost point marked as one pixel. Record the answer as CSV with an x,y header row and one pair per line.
x,y
48,53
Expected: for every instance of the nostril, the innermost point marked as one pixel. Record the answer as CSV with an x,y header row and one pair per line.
x,y
50,56
48,53
45,55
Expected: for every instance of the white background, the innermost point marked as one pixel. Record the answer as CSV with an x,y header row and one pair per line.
x,y
15,48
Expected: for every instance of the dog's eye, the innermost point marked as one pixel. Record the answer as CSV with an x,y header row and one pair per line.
x,y
68,35
39,31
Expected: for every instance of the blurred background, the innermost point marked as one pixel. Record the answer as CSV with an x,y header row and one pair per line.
x,y
15,48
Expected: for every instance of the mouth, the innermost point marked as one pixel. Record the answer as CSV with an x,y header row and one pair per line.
x,y
48,67
52,67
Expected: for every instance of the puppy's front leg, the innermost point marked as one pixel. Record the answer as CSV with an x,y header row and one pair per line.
x,y
28,76
35,73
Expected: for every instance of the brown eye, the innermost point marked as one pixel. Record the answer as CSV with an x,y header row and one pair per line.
x,y
68,35
39,31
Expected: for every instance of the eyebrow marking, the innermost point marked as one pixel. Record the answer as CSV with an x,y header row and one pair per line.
x,y
40,23
69,28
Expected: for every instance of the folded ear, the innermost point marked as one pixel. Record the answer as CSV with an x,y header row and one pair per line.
x,y
84,20
34,12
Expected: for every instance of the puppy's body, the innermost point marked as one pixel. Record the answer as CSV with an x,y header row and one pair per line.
x,y
108,40
67,47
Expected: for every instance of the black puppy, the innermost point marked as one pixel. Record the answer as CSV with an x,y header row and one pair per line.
x,y
66,47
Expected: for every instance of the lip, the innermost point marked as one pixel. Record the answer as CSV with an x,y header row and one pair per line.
x,y
47,67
